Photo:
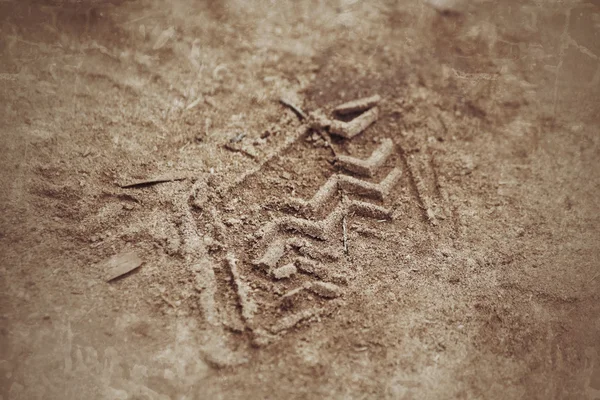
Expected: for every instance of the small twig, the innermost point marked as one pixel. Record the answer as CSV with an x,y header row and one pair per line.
x,y
359,105
153,180
325,136
238,138
143,18
169,302
195,103
345,235
294,108
240,149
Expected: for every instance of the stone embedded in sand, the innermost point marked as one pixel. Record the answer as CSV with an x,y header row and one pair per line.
x,y
325,289
284,272
122,264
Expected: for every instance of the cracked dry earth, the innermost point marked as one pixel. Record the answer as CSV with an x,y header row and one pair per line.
x,y
437,239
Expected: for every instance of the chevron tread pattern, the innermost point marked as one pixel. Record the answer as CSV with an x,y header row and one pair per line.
x,y
349,184
369,166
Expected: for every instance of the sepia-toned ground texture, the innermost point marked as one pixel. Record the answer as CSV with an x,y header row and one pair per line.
x,y
440,241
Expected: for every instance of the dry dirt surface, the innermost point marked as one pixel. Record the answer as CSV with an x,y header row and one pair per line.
x,y
185,212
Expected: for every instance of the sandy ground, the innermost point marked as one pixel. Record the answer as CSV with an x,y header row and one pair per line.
x,y
461,261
